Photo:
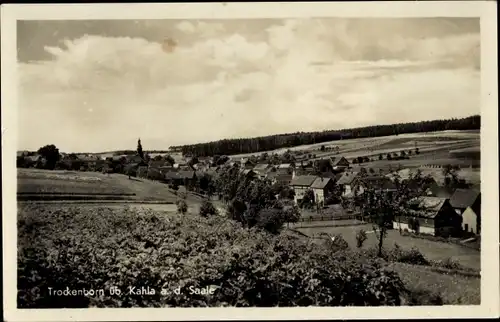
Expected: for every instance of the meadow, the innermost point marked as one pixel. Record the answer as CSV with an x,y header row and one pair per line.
x,y
434,148
433,250
91,185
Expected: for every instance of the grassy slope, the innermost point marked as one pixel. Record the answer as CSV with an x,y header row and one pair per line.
x,y
432,250
33,181
454,289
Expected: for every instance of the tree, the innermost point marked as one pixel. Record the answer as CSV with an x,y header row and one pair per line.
x,y
403,153
322,148
371,171
417,151
158,158
182,206
51,155
169,159
384,207
307,201
450,173
389,156
139,149
380,157
361,237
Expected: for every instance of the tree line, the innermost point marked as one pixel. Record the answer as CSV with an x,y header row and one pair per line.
x,y
272,142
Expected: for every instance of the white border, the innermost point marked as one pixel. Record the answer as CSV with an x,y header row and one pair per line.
x,y
486,10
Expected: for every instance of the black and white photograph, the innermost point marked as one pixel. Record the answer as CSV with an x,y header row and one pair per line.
x,y
203,160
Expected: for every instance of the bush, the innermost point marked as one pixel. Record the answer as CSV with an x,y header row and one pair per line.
x,y
412,256
361,237
100,248
207,209
182,206
424,297
337,243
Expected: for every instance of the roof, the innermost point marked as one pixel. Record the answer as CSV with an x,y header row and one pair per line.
x,y
284,166
429,207
336,161
463,198
303,181
440,191
283,177
347,177
186,174
261,167
320,183
379,182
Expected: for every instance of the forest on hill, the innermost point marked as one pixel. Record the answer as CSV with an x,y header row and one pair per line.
x,y
272,142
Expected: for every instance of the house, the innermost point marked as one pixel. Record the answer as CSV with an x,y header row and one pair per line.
x,y
322,188
377,183
432,215
248,164
471,219
286,168
261,169
134,159
248,173
436,190
464,198
339,163
300,185
282,178
345,182
184,177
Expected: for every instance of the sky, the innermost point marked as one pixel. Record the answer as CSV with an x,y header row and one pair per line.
x,y
95,86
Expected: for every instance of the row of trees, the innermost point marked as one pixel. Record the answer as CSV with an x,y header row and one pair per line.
x,y
253,202
271,142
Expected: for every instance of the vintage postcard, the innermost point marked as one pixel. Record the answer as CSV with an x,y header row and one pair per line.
x,y
250,161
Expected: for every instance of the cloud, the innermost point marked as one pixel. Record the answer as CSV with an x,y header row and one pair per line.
x,y
101,93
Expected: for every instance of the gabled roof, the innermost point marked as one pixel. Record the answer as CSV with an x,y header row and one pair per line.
x,y
335,161
304,181
320,183
283,177
463,198
261,167
436,190
429,207
186,174
378,182
285,166
347,178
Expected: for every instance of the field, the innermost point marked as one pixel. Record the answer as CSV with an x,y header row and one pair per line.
x,y
434,148
91,184
432,250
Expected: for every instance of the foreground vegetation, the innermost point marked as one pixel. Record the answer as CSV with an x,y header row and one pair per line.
x,y
109,249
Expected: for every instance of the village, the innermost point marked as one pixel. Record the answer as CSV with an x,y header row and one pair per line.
x,y
321,187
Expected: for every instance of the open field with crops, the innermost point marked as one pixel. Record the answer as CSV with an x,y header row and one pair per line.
x,y
434,147
92,185
432,250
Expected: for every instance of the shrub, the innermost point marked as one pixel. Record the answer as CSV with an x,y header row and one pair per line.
x,y
424,297
182,206
361,237
207,209
80,247
336,243
412,256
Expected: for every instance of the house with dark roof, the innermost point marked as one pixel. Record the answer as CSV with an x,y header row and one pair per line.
x,y
339,163
436,190
248,173
346,181
431,215
322,188
377,183
182,177
282,178
467,203
300,185
464,198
